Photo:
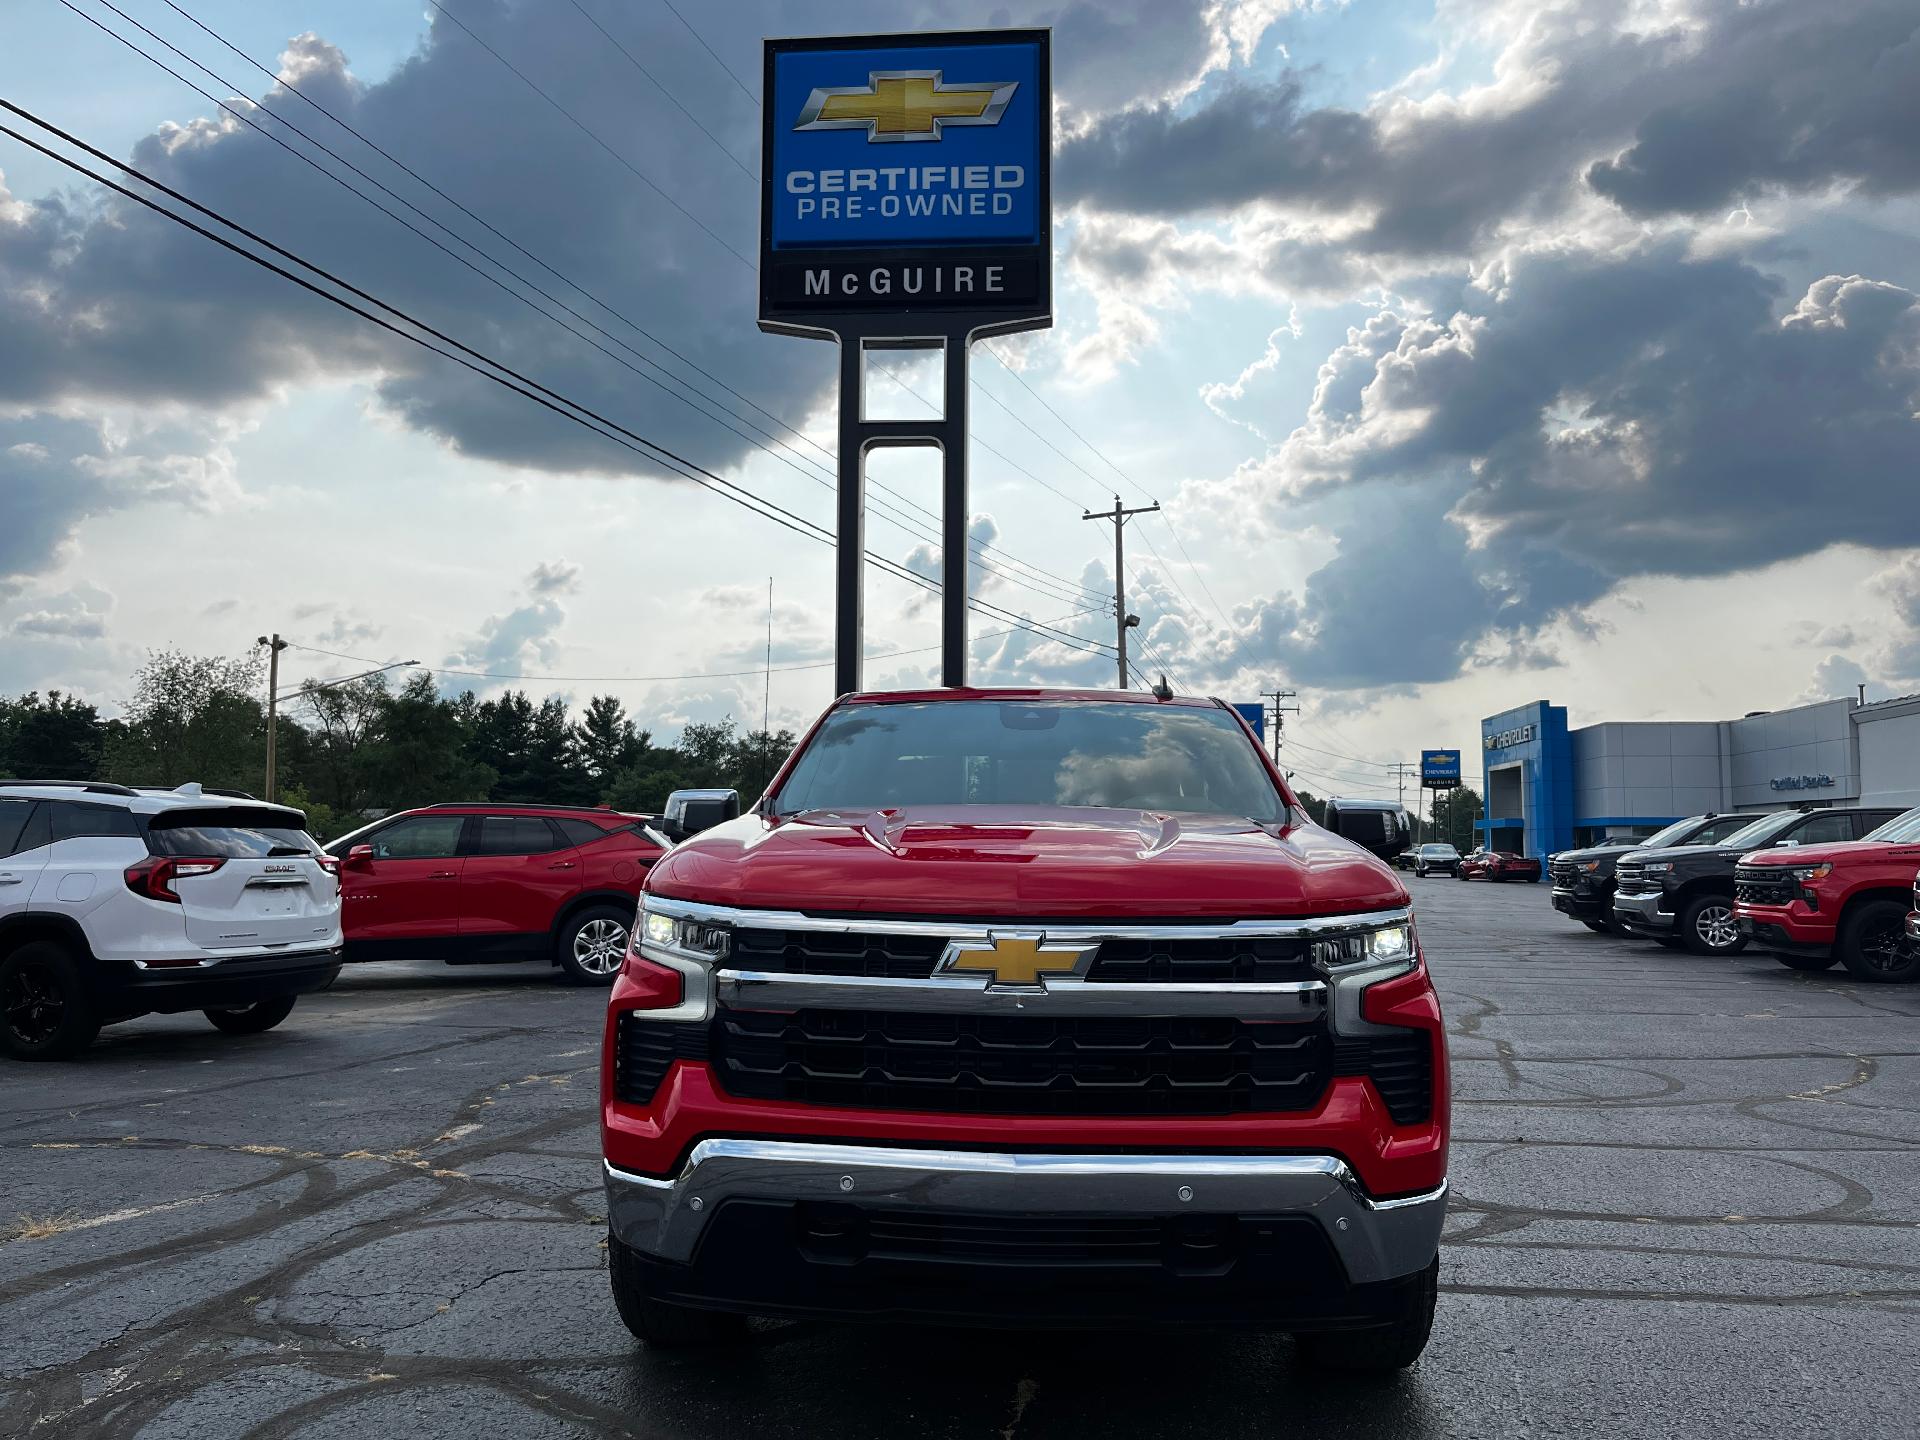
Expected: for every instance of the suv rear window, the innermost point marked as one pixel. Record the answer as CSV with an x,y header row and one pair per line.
x,y
235,834
1110,754
579,832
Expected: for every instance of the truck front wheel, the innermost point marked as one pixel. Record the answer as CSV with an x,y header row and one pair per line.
x,y
1378,1348
656,1321
1872,946
1707,928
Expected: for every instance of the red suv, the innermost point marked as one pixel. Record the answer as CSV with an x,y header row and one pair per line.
x,y
473,884
1028,1007
1815,904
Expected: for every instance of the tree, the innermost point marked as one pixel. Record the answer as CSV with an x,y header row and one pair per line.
x,y
1454,813
192,717
346,722
607,741
1315,807
58,738
422,754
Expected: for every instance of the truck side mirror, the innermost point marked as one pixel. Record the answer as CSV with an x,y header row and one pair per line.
x,y
691,811
359,857
1376,828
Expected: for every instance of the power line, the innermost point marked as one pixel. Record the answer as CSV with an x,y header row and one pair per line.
x,y
659,679
1011,567
728,69
581,126
634,61
541,395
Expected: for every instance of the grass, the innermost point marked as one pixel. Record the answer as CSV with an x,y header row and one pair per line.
x,y
40,1227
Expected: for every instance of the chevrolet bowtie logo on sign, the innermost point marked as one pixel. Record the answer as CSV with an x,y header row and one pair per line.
x,y
1015,959
905,105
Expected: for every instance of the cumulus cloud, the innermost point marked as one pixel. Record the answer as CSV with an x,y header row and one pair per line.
x,y
1678,108
1575,419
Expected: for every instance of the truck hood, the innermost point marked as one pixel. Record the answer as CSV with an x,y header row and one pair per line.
x,y
1681,853
1026,862
1840,852
1593,852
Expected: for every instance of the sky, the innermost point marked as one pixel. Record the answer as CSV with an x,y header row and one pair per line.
x,y
1477,351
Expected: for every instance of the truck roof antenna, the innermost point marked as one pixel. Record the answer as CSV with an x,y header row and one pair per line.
x,y
1162,691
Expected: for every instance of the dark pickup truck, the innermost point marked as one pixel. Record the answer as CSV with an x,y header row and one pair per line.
x,y
1684,895
1583,879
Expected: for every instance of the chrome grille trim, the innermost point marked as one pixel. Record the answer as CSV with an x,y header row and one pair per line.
x,y
1301,1000
1313,927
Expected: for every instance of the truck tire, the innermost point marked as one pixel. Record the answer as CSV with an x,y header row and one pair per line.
x,y
1377,1348
45,1010
252,1019
656,1321
593,944
1871,944
1706,926
1807,962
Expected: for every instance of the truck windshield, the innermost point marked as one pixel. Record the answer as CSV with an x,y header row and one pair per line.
x,y
1660,839
1761,831
1901,830
1114,755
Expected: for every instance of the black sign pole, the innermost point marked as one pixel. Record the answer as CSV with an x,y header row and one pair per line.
x,y
850,531
913,292
956,517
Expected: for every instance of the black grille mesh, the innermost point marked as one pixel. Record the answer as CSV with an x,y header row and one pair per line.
x,y
1400,1065
645,1050
1033,1065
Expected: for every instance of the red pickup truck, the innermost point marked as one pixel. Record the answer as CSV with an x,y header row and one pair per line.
x,y
1027,1007
1812,905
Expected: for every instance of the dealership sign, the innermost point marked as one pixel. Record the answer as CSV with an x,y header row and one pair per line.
x,y
906,174
1519,735
1801,782
1439,769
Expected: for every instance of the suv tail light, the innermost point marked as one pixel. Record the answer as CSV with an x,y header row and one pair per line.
x,y
330,864
154,876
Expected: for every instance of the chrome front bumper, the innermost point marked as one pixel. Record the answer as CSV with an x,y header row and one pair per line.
x,y
1376,1240
1643,910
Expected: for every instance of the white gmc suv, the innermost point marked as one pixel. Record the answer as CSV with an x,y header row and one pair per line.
x,y
117,902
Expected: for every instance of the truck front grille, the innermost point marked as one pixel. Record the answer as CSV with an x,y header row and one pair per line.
x,y
1562,874
1027,1065
1400,1066
1632,880
1764,885
877,955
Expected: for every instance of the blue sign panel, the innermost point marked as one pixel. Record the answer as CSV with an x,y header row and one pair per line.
x,y
1439,769
1254,712
933,145
904,174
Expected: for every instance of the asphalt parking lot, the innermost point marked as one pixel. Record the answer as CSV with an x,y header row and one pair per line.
x,y
1685,1204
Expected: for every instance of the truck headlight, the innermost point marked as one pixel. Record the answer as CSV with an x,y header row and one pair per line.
x,y
1804,873
695,939
1656,867
1590,866
1368,949
1389,943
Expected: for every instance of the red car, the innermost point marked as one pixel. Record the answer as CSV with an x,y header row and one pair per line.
x,y
1497,865
1814,904
474,884
1034,1008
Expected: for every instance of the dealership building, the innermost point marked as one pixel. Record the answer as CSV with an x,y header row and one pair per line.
x,y
1548,787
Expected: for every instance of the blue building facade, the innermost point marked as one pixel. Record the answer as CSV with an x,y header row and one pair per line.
x,y
1527,780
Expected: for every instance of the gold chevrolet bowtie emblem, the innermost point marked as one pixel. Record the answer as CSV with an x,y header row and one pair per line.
x,y
904,105
1014,959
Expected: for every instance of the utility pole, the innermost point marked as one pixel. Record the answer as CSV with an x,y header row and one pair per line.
x,y
274,646
1278,708
1122,620
1400,769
